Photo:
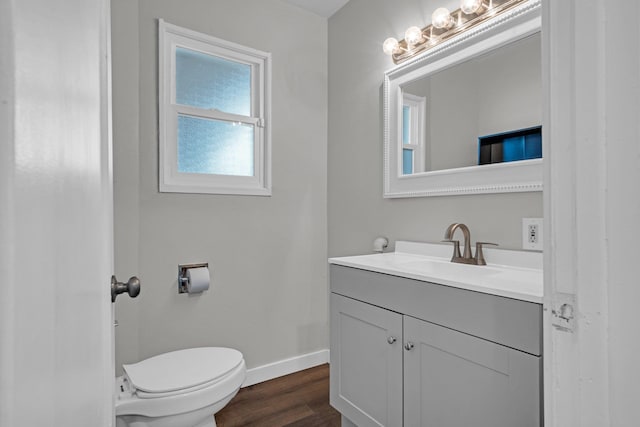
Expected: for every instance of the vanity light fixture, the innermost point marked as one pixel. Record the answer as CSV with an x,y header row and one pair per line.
x,y
445,25
472,6
413,36
391,46
442,19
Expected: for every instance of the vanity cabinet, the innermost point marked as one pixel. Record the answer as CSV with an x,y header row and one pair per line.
x,y
367,373
413,353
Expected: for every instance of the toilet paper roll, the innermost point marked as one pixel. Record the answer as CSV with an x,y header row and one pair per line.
x,y
198,279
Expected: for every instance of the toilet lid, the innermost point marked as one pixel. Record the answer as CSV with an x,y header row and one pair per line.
x,y
182,369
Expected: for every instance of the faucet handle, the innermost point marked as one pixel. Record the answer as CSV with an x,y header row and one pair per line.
x,y
456,248
479,255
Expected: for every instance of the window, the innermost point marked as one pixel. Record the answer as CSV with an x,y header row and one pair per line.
x,y
413,113
214,104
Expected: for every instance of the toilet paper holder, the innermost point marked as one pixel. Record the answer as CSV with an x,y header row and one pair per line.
x,y
182,275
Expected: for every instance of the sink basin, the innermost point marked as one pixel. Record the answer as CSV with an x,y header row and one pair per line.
x,y
440,267
512,274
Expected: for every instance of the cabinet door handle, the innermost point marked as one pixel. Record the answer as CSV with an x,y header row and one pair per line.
x,y
408,346
391,340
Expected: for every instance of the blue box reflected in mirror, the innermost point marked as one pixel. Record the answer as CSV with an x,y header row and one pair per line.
x,y
522,144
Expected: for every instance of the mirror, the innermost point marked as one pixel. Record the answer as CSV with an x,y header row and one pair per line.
x,y
494,93
449,109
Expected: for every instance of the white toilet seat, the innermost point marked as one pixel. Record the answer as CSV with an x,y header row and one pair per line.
x,y
171,400
181,371
146,395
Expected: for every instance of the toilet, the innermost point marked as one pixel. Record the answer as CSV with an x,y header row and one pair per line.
x,y
183,388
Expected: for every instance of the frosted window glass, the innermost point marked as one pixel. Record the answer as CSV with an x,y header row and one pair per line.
x,y
407,162
214,147
210,82
406,123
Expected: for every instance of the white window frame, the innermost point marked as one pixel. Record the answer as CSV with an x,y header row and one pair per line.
x,y
170,37
417,107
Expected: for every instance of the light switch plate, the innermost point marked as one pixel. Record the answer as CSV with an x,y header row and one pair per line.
x,y
532,234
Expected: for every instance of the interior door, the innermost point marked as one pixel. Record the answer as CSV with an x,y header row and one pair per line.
x,y
56,214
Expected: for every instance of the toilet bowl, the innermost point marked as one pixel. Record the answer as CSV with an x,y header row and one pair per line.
x,y
183,388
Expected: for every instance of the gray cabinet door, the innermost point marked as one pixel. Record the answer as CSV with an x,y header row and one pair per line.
x,y
452,379
366,363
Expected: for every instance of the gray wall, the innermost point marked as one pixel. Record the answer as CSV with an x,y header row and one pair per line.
x,y
267,254
356,210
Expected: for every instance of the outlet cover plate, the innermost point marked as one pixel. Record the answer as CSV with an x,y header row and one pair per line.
x,y
532,234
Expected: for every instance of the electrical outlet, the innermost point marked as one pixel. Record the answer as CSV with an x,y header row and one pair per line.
x,y
532,234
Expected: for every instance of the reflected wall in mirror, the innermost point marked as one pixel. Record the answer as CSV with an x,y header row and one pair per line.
x,y
445,114
438,105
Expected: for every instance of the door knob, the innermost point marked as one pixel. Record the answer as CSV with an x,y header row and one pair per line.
x,y
132,287
391,340
408,346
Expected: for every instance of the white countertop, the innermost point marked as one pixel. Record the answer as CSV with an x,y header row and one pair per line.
x,y
511,274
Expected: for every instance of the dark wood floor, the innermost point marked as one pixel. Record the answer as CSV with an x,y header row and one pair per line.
x,y
296,400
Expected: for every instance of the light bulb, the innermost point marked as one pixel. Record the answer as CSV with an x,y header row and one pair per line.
x,y
413,35
470,6
390,46
441,18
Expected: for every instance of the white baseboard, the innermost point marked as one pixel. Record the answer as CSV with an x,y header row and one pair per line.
x,y
285,367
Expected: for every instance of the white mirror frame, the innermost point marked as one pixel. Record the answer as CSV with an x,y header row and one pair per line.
x,y
521,176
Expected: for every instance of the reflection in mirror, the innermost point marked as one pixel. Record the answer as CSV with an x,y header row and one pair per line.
x,y
444,115
439,104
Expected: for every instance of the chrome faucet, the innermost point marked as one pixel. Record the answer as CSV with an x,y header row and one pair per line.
x,y
466,257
